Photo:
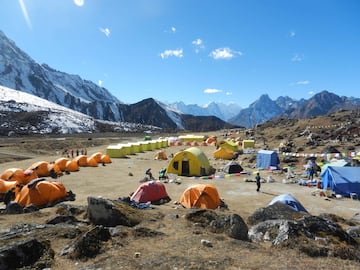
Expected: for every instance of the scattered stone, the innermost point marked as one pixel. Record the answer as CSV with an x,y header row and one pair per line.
x,y
206,243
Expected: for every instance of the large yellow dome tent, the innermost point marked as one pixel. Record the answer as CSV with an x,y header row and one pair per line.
x,y
189,162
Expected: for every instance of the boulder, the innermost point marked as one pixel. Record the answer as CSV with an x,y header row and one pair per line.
x,y
112,213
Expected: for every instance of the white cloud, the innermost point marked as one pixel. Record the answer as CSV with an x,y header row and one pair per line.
x,y
292,34
176,53
106,31
199,45
25,13
297,58
311,92
100,82
224,53
228,93
79,3
173,29
303,82
212,91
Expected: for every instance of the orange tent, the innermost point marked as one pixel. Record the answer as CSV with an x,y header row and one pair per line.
x,y
21,176
5,186
40,193
43,169
61,162
160,155
97,156
211,140
200,196
81,160
105,159
91,162
72,166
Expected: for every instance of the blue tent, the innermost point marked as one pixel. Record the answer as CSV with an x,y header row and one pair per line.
x,y
266,159
289,201
342,180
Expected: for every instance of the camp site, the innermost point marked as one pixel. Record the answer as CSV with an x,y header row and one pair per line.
x,y
177,186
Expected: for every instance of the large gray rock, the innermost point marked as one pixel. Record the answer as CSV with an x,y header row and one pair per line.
x,y
312,235
112,213
232,225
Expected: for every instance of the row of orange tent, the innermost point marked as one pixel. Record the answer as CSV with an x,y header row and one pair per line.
x,y
17,179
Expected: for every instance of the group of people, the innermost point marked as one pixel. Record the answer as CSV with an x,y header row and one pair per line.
x,y
74,153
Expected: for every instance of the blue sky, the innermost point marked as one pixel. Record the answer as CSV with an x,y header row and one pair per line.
x,y
195,51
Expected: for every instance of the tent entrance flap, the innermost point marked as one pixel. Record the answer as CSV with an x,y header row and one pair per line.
x,y
185,168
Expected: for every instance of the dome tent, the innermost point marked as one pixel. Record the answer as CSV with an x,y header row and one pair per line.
x,y
289,201
233,167
200,196
150,191
189,162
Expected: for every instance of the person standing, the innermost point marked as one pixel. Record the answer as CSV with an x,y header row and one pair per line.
x,y
258,178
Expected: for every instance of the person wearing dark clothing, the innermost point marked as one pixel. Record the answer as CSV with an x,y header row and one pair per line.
x,y
311,173
257,178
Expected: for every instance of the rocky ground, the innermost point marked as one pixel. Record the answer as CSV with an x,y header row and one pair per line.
x,y
170,237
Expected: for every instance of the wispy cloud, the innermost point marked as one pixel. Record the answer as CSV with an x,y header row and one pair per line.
x,y
302,82
224,53
106,31
199,45
79,3
311,92
173,29
212,91
292,34
228,93
297,58
25,13
100,82
176,53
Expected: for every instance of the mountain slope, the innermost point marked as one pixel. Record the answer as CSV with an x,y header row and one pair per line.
x,y
220,110
320,104
18,71
24,114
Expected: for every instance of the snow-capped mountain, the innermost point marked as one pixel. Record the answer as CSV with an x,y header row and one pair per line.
x,y
218,109
23,113
19,71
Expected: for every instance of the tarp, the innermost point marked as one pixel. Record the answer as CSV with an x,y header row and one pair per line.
x,y
189,162
266,159
233,167
150,192
200,196
342,180
289,201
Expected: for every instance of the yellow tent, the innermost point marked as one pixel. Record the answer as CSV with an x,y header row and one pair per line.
x,y
223,153
229,145
248,144
189,162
